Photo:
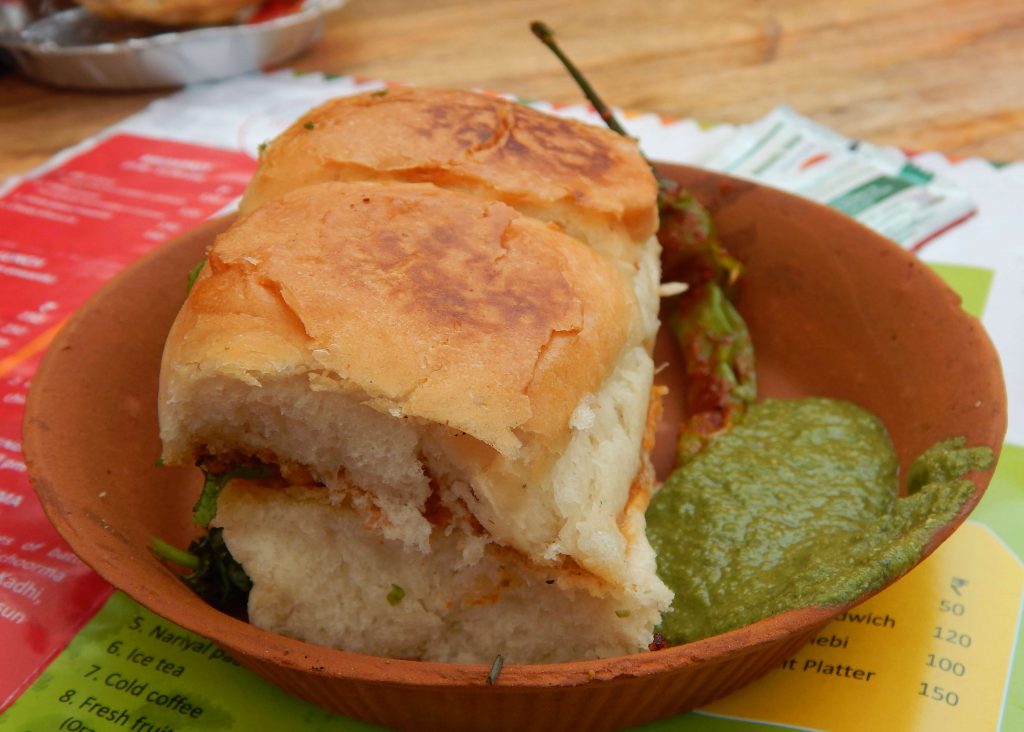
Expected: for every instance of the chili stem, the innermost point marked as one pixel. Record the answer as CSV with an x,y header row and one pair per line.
x,y
547,37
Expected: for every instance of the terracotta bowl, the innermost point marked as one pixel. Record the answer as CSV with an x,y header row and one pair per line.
x,y
835,310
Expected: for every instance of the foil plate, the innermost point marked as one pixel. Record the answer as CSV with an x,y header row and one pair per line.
x,y
76,49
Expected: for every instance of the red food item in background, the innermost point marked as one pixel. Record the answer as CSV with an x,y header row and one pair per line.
x,y
275,9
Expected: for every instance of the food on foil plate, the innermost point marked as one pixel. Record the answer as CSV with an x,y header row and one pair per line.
x,y
170,12
135,44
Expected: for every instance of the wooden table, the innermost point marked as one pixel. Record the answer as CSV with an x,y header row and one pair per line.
x,y
923,74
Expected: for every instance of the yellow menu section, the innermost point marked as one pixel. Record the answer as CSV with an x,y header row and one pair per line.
x,y
932,652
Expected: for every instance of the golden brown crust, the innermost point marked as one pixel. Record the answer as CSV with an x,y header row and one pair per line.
x,y
591,181
169,12
437,304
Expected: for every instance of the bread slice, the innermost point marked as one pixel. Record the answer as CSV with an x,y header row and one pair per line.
x,y
456,394
589,181
321,574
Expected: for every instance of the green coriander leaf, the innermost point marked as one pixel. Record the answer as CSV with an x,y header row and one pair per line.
x,y
193,275
213,483
395,595
206,507
215,577
309,125
219,580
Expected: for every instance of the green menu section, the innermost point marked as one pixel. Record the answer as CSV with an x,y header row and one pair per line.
x,y
971,283
131,670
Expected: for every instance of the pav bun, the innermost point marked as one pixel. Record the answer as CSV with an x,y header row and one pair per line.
x,y
587,180
457,396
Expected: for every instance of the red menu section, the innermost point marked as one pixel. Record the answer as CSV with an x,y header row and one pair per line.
x,y
62,234
46,593
66,231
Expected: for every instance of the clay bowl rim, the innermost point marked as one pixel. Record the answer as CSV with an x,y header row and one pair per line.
x,y
289,653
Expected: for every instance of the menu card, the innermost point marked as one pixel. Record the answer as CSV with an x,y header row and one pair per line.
x,y
935,651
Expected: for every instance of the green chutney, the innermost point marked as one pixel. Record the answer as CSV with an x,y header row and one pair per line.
x,y
795,507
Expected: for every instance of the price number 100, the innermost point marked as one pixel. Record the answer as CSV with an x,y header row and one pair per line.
x,y
946,664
